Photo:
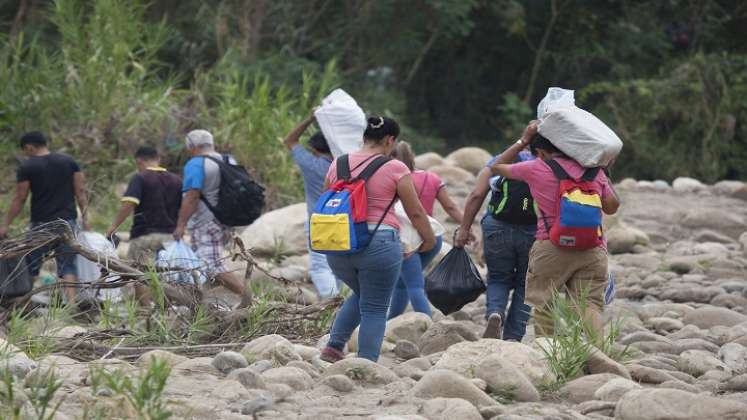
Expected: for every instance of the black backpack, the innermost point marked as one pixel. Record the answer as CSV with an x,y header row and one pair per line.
x,y
240,198
513,203
15,278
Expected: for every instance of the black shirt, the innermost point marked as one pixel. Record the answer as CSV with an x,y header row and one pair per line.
x,y
52,186
158,196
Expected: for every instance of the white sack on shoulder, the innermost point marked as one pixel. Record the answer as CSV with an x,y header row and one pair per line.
x,y
556,98
408,235
581,136
89,271
577,133
342,122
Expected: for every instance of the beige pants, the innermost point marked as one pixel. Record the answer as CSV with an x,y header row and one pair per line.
x,y
143,249
575,273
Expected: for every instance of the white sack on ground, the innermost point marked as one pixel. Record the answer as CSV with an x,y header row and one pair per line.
x,y
89,271
577,133
342,122
408,235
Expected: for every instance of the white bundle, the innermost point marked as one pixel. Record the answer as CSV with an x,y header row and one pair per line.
x,y
89,271
408,235
342,122
577,133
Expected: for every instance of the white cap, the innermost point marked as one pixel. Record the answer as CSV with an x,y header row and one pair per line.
x,y
196,138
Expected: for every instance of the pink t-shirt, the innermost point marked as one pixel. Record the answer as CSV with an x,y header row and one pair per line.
x,y
381,188
544,187
427,184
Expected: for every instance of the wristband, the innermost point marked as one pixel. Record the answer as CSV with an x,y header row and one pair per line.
x,y
520,142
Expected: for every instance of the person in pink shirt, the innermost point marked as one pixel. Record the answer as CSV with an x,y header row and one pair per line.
x,y
372,272
411,285
578,273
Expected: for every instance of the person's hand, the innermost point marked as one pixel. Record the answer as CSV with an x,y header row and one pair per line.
x,y
110,232
3,232
463,237
427,245
179,233
529,132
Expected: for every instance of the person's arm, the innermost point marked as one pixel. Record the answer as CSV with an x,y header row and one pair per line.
x,y
449,206
472,207
611,201
502,165
415,212
294,136
125,210
79,182
190,200
19,199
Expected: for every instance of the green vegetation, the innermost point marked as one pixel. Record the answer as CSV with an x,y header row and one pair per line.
x,y
38,397
573,341
143,394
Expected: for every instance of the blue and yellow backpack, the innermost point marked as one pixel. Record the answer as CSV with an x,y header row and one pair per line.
x,y
338,224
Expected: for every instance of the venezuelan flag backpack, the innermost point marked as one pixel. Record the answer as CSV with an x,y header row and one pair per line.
x,y
578,213
338,224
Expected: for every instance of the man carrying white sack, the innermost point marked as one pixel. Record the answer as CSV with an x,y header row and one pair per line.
x,y
570,251
314,163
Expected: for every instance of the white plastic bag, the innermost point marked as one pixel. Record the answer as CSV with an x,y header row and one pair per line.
x,y
556,98
408,235
342,122
90,271
178,254
577,133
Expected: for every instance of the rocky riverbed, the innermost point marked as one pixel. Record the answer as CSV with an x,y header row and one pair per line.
x,y
678,252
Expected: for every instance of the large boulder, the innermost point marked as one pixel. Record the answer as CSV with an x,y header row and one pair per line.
x,y
684,185
504,378
735,357
428,160
447,384
727,187
408,326
282,230
465,357
716,219
698,362
583,388
471,159
615,389
443,334
620,240
450,409
363,371
264,347
294,377
706,317
453,175
668,404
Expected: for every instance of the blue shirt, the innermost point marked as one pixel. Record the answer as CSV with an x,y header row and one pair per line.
x,y
314,170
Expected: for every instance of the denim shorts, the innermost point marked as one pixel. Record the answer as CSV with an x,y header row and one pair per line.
x,y
64,256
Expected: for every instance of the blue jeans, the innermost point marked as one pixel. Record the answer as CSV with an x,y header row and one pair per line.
x,y
411,284
64,256
506,250
322,277
371,275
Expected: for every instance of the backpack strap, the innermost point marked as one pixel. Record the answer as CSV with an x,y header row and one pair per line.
x,y
345,173
590,175
343,167
372,167
558,170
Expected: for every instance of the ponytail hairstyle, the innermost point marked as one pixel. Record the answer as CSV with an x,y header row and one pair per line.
x,y
403,152
380,127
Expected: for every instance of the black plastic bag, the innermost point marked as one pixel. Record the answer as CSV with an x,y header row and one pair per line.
x,y
15,278
454,282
